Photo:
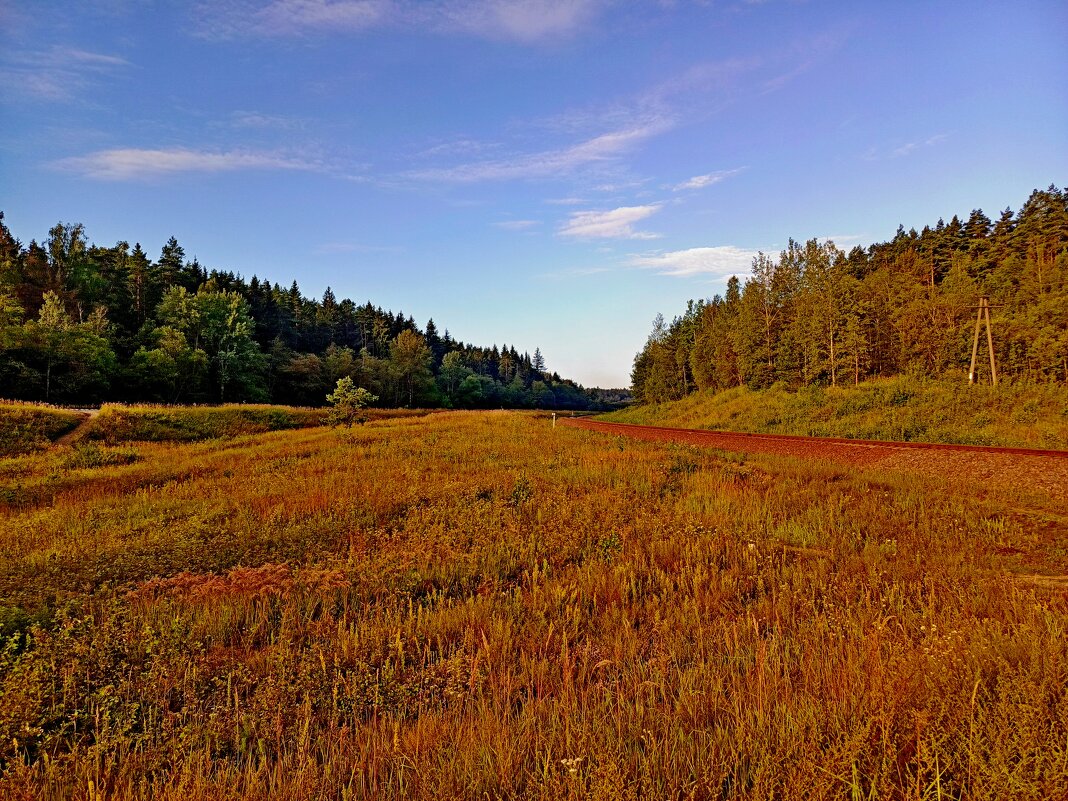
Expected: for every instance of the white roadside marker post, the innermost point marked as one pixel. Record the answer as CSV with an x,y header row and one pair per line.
x,y
554,421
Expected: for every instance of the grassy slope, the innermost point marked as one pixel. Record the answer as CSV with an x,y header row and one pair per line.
x,y
474,605
117,423
27,427
890,409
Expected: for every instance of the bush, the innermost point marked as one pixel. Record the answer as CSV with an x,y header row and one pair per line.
x,y
349,402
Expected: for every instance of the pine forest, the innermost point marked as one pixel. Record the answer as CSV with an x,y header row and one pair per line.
x,y
817,315
82,323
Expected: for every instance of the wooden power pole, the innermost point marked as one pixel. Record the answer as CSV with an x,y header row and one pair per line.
x,y
983,315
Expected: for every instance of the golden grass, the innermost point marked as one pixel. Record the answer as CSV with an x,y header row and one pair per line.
x,y
147,423
899,408
28,427
472,605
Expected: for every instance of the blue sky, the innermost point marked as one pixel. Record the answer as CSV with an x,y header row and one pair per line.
x,y
544,174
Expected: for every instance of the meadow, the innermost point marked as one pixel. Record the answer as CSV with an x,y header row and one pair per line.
x,y
28,427
909,408
475,605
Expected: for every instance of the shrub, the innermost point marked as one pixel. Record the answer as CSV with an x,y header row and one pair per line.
x,y
348,402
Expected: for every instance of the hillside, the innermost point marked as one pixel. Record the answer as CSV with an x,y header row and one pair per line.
x,y
901,408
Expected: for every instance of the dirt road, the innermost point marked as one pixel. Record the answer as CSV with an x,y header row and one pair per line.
x,y
1045,470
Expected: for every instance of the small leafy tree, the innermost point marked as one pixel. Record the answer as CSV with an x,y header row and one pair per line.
x,y
348,402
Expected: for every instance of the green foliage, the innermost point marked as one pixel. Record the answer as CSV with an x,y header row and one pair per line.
x,y
817,316
81,322
52,358
410,360
204,348
348,403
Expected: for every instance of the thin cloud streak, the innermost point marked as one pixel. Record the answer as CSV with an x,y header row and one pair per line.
x,y
550,162
614,224
527,21
905,149
721,261
843,239
702,181
670,104
259,121
59,73
125,164
520,20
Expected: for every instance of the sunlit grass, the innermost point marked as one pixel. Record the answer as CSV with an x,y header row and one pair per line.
x,y
28,427
474,605
900,408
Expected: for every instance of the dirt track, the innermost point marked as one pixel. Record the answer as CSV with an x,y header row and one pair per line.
x,y
1045,470
76,433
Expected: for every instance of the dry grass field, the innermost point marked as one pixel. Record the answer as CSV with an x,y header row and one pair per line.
x,y
475,605
28,427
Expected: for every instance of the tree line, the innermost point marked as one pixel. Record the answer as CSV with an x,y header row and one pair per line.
x,y
820,315
83,323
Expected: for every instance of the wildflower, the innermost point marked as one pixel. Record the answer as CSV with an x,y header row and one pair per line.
x,y
572,765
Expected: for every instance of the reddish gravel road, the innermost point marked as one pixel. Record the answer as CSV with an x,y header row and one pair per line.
x,y
1045,470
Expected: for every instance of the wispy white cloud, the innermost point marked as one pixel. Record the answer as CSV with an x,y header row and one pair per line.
x,y
607,132
566,201
715,262
548,162
258,120
706,81
841,240
909,147
516,20
459,147
615,224
86,58
230,19
517,225
57,74
619,187
125,164
521,20
701,181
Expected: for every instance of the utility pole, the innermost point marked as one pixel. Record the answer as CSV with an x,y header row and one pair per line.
x,y
983,315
